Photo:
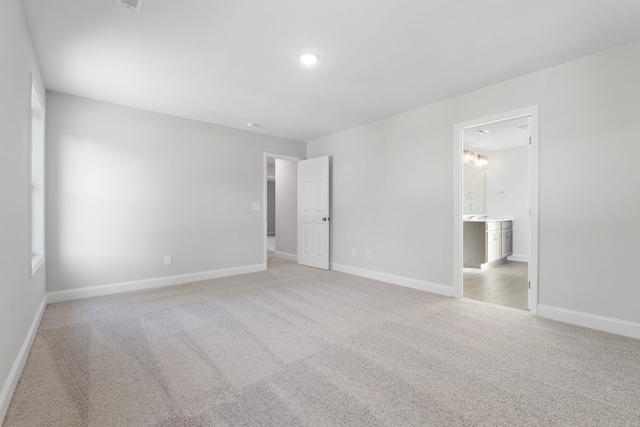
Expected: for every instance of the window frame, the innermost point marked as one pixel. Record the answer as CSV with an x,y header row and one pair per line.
x,y
36,179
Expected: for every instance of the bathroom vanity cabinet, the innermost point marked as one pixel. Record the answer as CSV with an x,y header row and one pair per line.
x,y
486,241
507,238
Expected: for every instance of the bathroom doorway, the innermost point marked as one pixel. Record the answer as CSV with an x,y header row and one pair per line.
x,y
496,210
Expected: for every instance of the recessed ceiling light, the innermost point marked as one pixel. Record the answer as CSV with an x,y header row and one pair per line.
x,y
309,58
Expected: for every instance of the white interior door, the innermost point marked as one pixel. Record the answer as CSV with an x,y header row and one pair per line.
x,y
313,212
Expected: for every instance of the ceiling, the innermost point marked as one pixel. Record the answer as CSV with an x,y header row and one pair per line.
x,y
498,135
231,62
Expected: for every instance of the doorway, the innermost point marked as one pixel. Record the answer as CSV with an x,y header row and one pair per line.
x,y
496,196
280,207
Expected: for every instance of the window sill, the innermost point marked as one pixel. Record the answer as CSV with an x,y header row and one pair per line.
x,y
36,263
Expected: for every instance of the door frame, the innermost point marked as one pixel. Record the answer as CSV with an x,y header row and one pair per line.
x,y
532,113
266,157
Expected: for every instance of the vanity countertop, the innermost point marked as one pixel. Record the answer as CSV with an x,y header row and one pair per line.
x,y
483,218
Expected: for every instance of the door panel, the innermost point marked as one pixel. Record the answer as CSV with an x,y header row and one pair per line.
x,y
313,212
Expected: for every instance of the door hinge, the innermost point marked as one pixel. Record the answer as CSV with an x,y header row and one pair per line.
x,y
529,284
529,140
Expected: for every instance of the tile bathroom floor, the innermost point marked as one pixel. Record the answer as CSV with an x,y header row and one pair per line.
x,y
504,283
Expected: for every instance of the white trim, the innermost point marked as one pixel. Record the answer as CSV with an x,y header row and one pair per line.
x,y
395,280
284,255
35,267
518,257
158,282
534,215
458,130
42,226
16,370
458,144
593,321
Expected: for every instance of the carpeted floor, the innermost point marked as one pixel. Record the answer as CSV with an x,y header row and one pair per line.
x,y
296,346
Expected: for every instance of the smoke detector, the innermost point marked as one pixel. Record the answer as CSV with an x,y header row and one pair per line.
x,y
131,4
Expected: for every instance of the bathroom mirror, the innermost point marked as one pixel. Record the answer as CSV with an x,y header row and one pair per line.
x,y
473,192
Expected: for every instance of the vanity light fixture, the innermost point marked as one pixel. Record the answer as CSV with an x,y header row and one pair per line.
x,y
469,156
482,160
309,58
131,4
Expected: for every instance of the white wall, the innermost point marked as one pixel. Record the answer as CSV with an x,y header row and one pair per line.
x,y
128,187
393,183
507,193
20,296
392,194
287,207
271,169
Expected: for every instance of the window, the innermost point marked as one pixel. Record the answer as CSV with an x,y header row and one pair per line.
x,y
37,180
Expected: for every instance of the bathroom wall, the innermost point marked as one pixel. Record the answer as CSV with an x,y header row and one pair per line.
x,y
507,193
473,190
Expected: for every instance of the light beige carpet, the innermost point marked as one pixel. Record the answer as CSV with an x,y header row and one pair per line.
x,y
296,346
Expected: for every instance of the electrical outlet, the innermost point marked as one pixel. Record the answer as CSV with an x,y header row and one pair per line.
x,y
256,206
167,260
353,252
368,254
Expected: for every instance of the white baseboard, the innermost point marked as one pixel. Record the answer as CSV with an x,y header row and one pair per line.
x,y
593,321
285,255
518,257
158,282
16,370
395,280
